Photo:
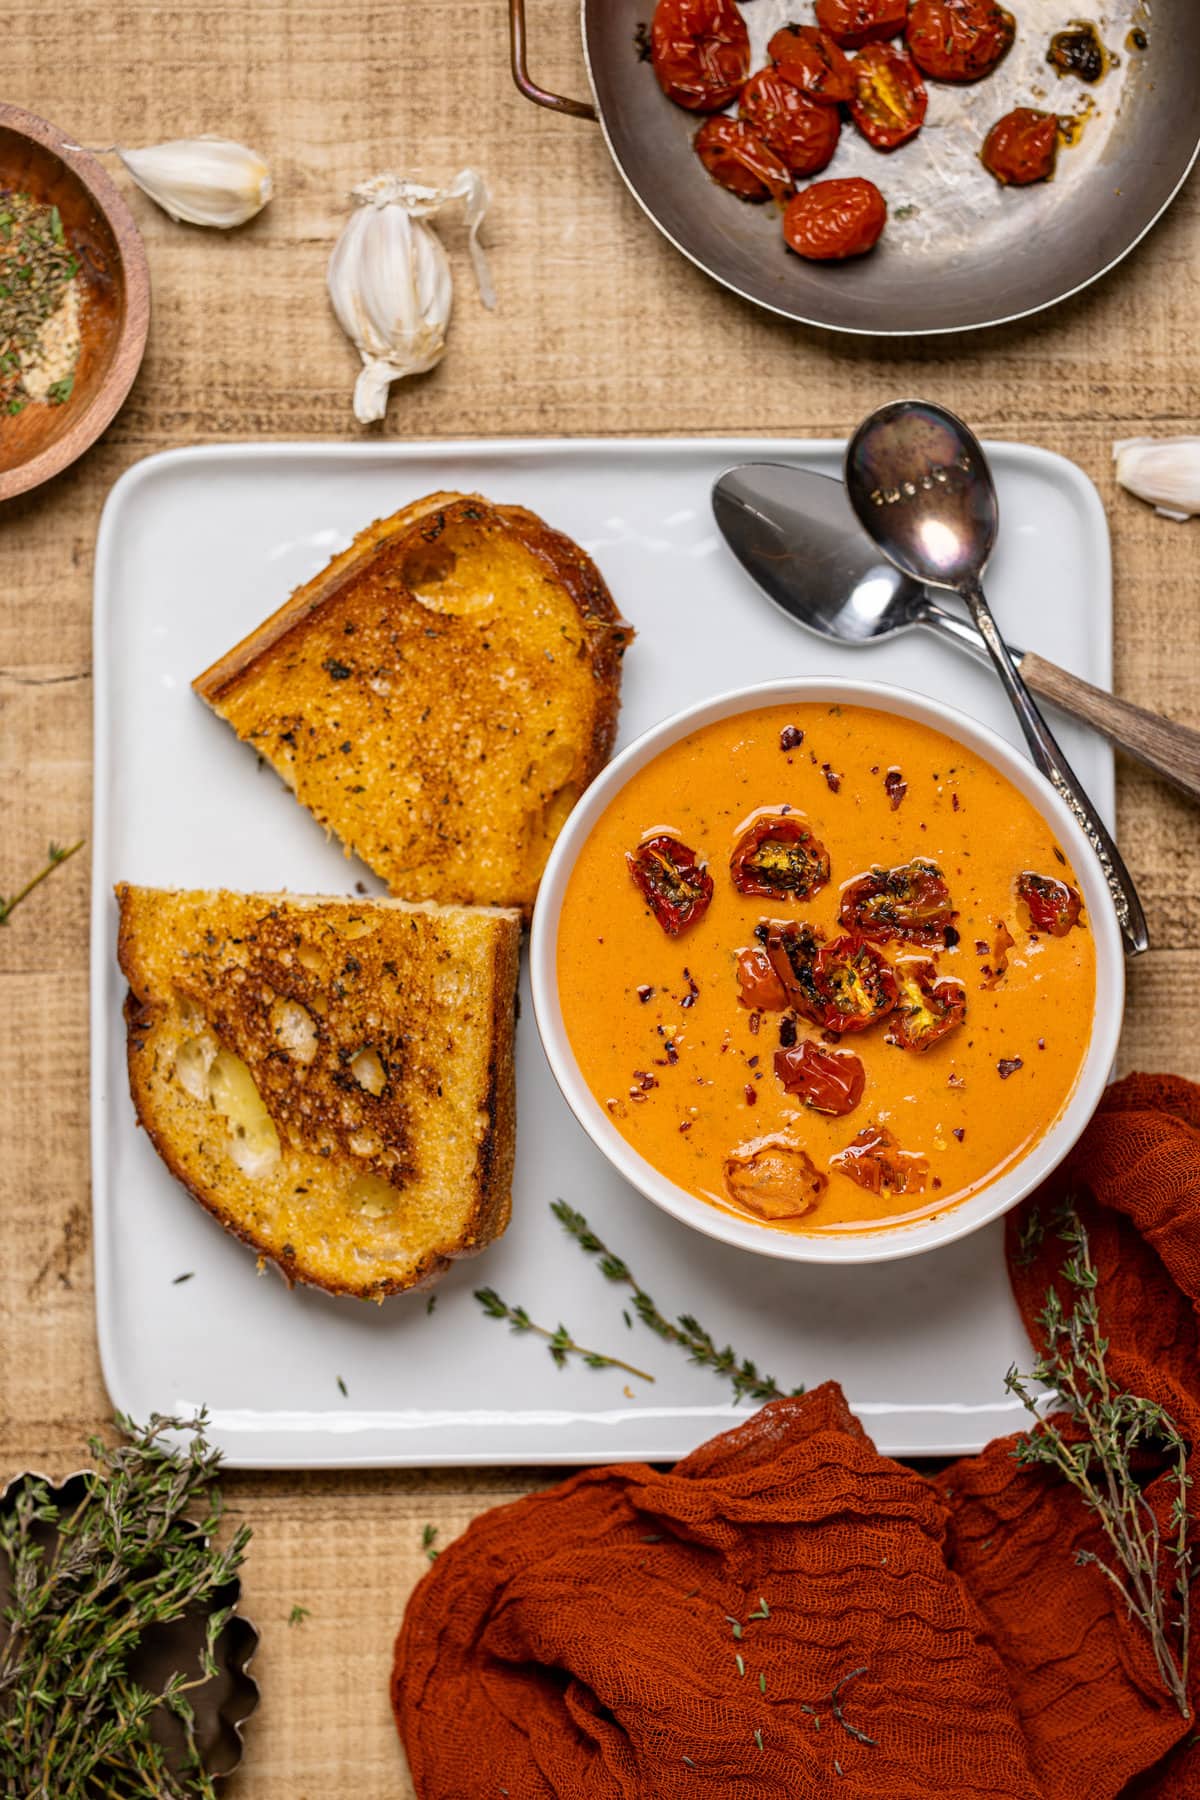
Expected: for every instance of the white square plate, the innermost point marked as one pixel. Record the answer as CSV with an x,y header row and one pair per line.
x,y
195,548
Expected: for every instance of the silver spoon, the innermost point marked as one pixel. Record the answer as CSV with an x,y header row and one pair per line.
x,y
920,484
797,535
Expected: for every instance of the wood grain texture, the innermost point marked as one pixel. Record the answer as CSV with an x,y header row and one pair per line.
x,y
601,328
1164,745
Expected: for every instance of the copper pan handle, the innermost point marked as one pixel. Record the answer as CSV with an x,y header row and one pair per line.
x,y
578,109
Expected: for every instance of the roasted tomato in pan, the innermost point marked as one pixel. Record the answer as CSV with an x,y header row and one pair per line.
x,y
778,856
1053,906
792,951
875,1160
809,58
676,884
890,99
911,902
759,987
927,1009
700,50
774,1177
829,1081
853,23
959,40
738,159
854,984
803,131
1021,148
832,220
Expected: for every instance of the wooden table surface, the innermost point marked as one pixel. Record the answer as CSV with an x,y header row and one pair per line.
x,y
601,328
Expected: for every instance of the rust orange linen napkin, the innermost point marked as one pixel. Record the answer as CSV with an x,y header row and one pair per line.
x,y
789,1613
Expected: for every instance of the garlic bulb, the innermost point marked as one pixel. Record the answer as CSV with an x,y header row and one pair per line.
x,y
390,283
202,181
1164,471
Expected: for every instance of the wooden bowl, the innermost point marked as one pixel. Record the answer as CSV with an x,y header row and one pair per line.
x,y
38,159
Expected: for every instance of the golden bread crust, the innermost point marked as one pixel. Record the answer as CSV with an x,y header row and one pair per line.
x,y
439,696
332,1079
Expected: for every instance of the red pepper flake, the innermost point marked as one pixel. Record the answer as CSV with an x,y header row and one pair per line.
x,y
955,1081
787,1032
954,802
693,993
645,993
896,787
1041,1043
751,1093
833,781
1008,1065
685,1124
755,1022
791,737
982,947
1062,859
958,1132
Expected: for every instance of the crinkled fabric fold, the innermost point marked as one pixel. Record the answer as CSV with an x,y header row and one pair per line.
x,y
580,1644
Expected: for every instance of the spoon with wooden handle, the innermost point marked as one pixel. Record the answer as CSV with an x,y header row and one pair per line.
x,y
796,534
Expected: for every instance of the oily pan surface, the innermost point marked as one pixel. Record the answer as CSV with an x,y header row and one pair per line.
x,y
958,250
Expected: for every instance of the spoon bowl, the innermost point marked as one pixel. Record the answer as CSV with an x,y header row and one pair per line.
x,y
920,485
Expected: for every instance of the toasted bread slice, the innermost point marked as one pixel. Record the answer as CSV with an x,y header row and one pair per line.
x,y
332,1079
439,696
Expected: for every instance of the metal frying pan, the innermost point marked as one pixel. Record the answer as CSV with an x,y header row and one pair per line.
x,y
959,252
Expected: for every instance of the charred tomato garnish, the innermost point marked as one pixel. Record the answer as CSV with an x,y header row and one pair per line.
x,y
700,50
808,57
876,1162
774,1177
759,987
792,951
1022,147
854,984
828,222
739,160
1053,906
778,857
890,99
803,131
676,885
927,1009
828,1081
959,40
910,902
853,23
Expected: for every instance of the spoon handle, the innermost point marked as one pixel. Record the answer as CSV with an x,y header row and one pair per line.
x,y
1058,771
1170,749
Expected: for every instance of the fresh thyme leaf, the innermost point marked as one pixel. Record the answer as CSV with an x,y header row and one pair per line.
x,y
342,1388
1112,1432
428,1541
298,1615
431,1303
836,1709
54,856
758,1739
560,1343
137,1553
686,1331
180,1279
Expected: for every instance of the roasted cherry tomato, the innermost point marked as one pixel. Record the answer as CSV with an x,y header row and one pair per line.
x,y
810,59
853,23
700,50
875,1160
759,987
1021,148
928,1009
803,131
1053,905
832,220
911,902
830,1081
676,884
890,99
959,40
792,951
774,1177
854,984
777,855
738,159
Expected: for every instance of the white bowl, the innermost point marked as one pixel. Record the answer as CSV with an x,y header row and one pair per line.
x,y
828,1247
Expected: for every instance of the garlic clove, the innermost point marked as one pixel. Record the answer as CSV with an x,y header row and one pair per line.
x,y
1164,471
390,283
202,181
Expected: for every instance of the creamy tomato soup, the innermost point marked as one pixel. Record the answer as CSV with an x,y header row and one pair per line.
x,y
825,968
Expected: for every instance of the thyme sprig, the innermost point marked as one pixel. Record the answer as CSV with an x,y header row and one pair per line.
x,y
559,1342
1110,1432
55,857
136,1554
686,1330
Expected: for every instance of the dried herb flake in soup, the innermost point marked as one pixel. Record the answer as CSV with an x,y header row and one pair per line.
x,y
39,304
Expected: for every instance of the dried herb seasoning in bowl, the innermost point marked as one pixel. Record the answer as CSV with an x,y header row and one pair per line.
x,y
74,301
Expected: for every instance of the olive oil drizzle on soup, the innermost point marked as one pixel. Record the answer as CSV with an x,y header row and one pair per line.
x,y
686,1068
